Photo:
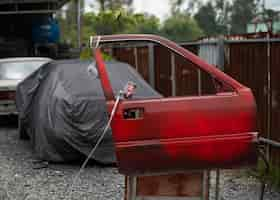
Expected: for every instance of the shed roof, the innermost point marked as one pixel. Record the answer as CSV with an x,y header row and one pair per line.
x,y
30,6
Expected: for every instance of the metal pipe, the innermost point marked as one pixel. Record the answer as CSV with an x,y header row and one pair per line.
x,y
262,40
131,188
205,185
268,93
78,3
267,169
173,74
273,143
217,187
135,52
151,65
199,82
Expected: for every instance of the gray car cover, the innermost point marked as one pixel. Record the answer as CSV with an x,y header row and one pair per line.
x,y
62,108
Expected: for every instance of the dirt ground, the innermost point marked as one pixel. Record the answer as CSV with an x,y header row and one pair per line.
x,y
19,181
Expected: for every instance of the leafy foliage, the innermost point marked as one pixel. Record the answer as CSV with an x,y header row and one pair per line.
x,y
213,17
200,18
206,18
118,21
181,27
217,17
243,11
146,24
115,18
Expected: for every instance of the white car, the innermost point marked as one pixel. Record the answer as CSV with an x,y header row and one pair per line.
x,y
12,71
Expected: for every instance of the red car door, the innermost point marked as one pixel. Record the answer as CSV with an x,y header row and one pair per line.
x,y
181,133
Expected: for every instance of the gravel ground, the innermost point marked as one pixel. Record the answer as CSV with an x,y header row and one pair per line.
x,y
237,185
19,181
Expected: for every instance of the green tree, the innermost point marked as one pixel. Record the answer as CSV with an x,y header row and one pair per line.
x,y
271,14
223,9
213,17
206,18
145,24
88,29
175,5
192,5
181,27
118,21
67,20
112,22
243,11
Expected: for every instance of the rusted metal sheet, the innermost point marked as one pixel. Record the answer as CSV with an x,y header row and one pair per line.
x,y
125,55
163,70
187,77
137,57
210,53
143,62
247,63
189,80
275,99
275,91
191,48
207,84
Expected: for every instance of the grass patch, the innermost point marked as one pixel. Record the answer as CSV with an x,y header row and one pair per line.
x,y
87,54
272,176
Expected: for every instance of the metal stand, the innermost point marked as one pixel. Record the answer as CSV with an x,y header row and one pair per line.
x,y
217,185
186,186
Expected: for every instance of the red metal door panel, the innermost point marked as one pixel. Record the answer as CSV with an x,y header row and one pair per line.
x,y
179,133
185,133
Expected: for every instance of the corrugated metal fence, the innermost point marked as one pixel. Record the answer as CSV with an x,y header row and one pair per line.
x,y
253,62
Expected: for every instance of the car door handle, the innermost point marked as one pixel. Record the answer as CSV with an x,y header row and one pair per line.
x,y
133,113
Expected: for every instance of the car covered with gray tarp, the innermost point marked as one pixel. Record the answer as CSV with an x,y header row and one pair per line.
x,y
62,108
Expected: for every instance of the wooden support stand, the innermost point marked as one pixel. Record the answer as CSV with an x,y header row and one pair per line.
x,y
187,186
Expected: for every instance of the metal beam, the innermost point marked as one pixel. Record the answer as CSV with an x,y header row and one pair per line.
x,y
261,40
54,3
2,2
173,74
27,12
273,143
152,65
